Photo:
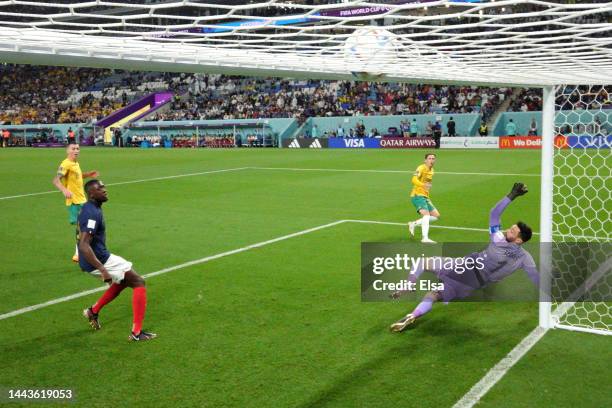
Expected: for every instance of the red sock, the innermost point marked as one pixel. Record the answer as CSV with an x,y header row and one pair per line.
x,y
139,305
112,292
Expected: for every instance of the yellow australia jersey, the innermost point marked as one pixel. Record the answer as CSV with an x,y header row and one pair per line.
x,y
72,178
421,176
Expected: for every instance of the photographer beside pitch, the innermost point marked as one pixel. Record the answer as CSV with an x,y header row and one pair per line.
x,y
503,256
95,259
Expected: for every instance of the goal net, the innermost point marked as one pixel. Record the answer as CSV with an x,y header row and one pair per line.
x,y
581,278
468,42
509,43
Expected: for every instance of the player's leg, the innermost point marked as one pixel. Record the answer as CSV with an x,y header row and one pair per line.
x,y
421,309
429,264
421,209
139,306
73,216
428,213
91,313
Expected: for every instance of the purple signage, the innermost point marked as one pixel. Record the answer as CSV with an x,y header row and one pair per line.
x,y
366,11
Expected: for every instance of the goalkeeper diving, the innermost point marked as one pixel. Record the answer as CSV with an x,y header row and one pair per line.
x,y
503,256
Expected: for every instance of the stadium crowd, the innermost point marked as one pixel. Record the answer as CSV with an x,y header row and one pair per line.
x,y
44,96
225,97
83,95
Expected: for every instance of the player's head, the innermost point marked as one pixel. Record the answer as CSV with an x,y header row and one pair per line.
x,y
430,159
519,233
96,190
73,151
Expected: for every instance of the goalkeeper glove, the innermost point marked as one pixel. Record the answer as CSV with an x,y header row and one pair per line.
x,y
518,189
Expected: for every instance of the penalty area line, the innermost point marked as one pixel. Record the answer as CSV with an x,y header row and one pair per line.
x,y
455,173
170,269
448,227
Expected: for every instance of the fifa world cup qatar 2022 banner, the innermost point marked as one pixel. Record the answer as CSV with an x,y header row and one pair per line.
x,y
383,143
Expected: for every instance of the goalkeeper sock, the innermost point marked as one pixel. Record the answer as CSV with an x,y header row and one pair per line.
x,y
423,307
425,225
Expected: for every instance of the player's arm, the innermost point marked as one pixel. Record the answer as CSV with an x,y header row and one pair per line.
x,y
90,174
416,178
529,266
495,216
85,248
57,182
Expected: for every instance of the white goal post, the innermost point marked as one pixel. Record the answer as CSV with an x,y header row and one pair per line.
x,y
575,211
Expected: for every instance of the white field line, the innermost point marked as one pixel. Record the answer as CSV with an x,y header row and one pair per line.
x,y
395,171
431,225
272,168
470,229
134,181
170,269
500,369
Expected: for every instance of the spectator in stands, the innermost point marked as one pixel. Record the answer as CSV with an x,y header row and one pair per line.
x,y
533,128
511,128
414,128
314,133
404,128
360,129
71,136
437,133
450,127
429,129
6,135
483,129
340,131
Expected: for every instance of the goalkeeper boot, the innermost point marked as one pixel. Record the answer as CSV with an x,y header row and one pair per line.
x,y
428,241
92,317
402,323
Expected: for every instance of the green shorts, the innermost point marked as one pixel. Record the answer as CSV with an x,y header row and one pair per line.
x,y
422,203
73,213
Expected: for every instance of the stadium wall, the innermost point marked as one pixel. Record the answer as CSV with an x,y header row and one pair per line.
x,y
34,130
281,126
466,123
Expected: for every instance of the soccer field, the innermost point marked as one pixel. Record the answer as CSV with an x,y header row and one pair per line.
x,y
269,312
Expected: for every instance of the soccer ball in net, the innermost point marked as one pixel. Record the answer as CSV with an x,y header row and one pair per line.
x,y
369,50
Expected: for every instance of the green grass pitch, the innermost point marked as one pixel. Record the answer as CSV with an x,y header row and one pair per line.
x,y
281,325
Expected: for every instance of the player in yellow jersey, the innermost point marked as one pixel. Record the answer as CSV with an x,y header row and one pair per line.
x,y
69,180
420,197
